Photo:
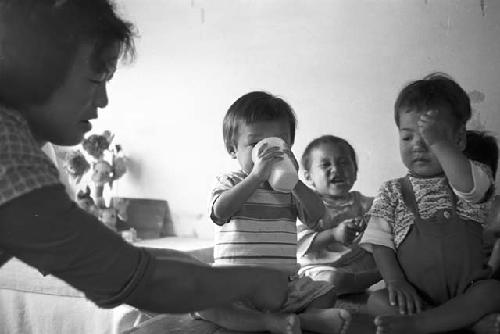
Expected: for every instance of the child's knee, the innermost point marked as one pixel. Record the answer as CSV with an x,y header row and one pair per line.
x,y
324,301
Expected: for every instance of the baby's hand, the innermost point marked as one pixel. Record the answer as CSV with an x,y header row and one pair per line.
x,y
432,128
271,289
266,157
404,295
345,232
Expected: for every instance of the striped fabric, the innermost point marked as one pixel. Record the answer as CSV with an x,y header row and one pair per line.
x,y
262,232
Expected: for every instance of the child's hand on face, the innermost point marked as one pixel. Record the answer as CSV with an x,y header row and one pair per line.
x,y
345,232
266,157
404,295
431,128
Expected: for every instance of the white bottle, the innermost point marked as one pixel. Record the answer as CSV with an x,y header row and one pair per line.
x,y
283,177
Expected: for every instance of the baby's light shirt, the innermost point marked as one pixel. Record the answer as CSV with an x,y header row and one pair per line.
x,y
354,205
262,232
390,219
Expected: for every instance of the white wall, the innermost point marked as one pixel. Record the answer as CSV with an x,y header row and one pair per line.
x,y
339,64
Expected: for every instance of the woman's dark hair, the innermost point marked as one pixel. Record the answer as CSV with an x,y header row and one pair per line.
x,y
253,107
40,38
431,92
482,147
327,139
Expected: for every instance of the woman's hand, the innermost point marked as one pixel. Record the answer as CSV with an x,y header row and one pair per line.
x,y
404,295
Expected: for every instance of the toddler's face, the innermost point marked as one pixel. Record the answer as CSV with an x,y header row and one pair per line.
x,y
64,118
250,134
332,171
415,153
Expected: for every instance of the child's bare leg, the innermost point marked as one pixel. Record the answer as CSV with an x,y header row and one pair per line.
x,y
321,317
462,311
249,320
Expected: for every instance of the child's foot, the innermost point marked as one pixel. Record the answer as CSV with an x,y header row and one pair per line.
x,y
397,324
326,321
489,324
283,324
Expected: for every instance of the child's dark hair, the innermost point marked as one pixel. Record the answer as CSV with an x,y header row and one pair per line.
x,y
327,139
256,107
482,147
39,40
432,92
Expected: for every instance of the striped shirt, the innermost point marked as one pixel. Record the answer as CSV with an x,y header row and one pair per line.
x,y
262,232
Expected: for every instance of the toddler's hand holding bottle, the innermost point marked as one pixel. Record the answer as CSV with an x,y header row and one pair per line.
x,y
264,156
283,173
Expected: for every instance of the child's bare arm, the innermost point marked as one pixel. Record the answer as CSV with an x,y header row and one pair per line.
x,y
401,292
231,200
321,240
387,263
344,234
455,164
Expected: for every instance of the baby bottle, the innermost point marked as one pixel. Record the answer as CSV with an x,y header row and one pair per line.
x,y
283,176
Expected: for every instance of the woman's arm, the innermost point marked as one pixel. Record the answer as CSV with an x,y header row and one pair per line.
x,y
45,229
178,287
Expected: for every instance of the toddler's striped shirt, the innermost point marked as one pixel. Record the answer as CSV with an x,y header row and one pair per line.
x,y
262,232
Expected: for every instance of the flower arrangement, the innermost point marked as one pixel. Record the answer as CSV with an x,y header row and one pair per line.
x,y
97,164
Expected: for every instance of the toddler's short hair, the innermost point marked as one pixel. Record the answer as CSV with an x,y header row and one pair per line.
x,y
253,107
482,147
39,40
327,139
433,91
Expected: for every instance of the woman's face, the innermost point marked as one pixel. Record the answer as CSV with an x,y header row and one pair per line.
x,y
332,170
65,117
